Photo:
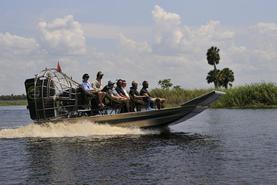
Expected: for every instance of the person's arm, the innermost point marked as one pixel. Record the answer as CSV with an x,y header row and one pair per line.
x,y
139,96
145,94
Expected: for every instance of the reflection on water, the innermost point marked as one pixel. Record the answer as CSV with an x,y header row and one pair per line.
x,y
216,147
129,159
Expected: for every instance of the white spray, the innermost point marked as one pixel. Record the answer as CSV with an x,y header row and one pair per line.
x,y
63,129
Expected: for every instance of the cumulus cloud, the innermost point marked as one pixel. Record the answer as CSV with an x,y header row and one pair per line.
x,y
176,46
63,36
16,45
167,49
171,37
167,29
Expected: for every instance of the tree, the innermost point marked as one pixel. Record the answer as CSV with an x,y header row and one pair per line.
x,y
165,84
225,77
212,77
213,58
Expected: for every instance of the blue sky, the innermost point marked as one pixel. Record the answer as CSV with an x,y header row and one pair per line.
x,y
137,40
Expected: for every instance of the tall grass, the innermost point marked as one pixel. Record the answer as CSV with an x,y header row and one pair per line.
x,y
176,97
258,95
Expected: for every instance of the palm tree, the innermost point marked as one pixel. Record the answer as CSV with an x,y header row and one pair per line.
x,y
213,58
213,77
225,77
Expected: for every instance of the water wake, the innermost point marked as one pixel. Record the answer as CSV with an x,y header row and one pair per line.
x,y
63,129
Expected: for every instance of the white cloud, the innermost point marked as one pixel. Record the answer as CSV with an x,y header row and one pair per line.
x,y
16,45
179,52
263,38
168,33
133,46
167,49
171,37
63,36
266,28
160,16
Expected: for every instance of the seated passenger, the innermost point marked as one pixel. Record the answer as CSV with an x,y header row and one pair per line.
x,y
112,93
90,91
97,84
118,88
136,99
123,89
150,101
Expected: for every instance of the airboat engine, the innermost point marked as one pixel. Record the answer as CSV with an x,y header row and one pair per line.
x,y
52,95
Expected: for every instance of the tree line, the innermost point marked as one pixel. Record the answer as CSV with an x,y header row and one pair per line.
x,y
13,97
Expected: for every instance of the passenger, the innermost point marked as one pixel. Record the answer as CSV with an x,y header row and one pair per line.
x,y
90,91
150,101
112,93
136,99
119,89
86,85
123,87
97,84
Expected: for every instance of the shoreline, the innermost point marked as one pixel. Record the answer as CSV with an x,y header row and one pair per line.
x,y
24,103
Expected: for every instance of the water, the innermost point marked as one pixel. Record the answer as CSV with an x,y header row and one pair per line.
x,y
216,147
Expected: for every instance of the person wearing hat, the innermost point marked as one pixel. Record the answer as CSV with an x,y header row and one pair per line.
x,y
107,87
113,95
110,90
85,84
91,92
97,84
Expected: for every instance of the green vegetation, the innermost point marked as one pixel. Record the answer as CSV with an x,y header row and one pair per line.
x,y
165,84
259,95
178,95
220,78
10,100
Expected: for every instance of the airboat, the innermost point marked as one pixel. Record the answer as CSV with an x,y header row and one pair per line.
x,y
53,96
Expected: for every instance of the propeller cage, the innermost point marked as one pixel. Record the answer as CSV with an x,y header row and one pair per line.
x,y
51,95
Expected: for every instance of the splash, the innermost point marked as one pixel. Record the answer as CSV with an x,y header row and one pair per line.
x,y
64,129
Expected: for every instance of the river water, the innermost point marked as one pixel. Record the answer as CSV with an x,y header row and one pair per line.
x,y
216,147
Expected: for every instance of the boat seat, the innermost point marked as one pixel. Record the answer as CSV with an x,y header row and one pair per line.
x,y
88,101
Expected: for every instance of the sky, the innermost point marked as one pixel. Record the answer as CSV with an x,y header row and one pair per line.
x,y
137,40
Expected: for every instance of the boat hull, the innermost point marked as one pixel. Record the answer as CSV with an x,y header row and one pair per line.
x,y
149,119
152,119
